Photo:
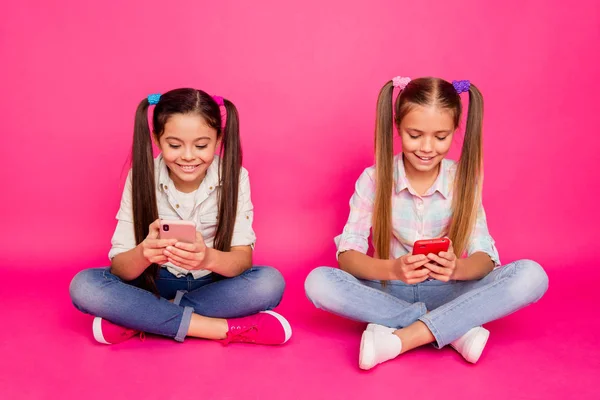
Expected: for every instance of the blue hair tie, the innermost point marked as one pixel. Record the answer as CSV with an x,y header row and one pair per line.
x,y
153,99
461,86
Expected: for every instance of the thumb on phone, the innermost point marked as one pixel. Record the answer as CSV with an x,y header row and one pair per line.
x,y
154,229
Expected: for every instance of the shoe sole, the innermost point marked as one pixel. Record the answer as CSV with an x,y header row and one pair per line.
x,y
97,329
475,349
367,353
287,328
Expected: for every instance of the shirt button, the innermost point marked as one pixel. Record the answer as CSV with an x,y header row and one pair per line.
x,y
211,188
247,217
176,205
165,187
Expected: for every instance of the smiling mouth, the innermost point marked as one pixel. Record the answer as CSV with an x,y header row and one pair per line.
x,y
424,158
188,168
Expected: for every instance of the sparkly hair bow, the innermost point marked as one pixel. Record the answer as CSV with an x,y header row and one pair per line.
x,y
153,99
400,82
461,86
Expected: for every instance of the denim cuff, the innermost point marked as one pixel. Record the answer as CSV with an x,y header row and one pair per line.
x,y
439,342
184,326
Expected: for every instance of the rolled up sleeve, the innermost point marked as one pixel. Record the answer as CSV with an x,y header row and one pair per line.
x,y
124,237
243,234
481,240
355,235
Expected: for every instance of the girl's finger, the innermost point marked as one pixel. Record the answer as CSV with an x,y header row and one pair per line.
x,y
186,255
439,260
191,247
443,278
154,229
417,280
412,259
447,255
418,273
152,254
177,258
438,269
415,266
162,243
180,264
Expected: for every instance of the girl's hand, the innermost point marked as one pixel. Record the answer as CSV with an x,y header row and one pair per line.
x,y
190,256
408,268
443,266
152,247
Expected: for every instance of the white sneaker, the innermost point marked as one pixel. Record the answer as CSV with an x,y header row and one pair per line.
x,y
380,328
378,344
471,344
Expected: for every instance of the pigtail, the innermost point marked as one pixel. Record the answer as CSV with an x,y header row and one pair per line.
x,y
145,210
229,175
384,156
469,176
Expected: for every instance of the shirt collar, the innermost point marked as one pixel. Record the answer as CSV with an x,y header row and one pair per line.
x,y
441,184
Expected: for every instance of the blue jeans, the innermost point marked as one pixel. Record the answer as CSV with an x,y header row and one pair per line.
x,y
98,292
454,307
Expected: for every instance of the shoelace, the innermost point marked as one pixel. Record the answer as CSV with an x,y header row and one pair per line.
x,y
128,332
242,335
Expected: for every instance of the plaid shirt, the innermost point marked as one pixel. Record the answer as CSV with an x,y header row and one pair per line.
x,y
414,217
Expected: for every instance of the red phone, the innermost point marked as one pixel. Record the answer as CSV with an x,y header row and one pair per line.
x,y
183,231
434,246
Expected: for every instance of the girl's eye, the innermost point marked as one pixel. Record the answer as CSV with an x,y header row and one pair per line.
x,y
174,146
441,138
201,147
413,136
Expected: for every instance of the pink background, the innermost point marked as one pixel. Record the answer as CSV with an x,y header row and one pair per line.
x,y
305,79
305,76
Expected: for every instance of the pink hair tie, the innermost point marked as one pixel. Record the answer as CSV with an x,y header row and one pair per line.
x,y
401,82
221,104
219,100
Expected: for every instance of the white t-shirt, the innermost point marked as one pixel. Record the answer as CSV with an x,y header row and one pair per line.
x,y
186,203
200,207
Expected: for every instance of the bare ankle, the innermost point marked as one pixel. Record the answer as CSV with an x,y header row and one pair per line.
x,y
415,335
208,328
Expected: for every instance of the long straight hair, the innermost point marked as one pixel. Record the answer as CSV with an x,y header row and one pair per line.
x,y
145,210
469,173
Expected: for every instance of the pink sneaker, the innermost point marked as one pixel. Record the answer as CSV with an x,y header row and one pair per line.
x,y
108,333
266,327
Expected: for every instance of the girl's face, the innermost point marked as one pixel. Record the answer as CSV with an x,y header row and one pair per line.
x,y
188,145
426,133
